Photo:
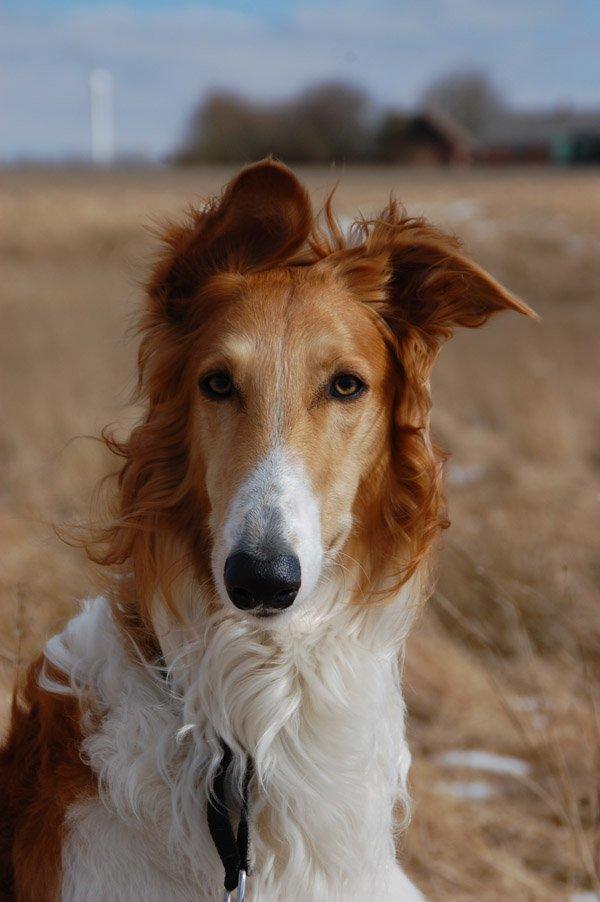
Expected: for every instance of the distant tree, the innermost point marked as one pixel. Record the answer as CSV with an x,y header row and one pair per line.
x,y
224,128
470,98
391,137
334,116
325,122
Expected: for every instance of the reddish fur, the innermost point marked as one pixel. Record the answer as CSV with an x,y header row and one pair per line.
x,y
417,285
41,775
413,276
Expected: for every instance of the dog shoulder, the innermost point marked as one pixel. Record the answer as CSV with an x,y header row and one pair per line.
x,y
41,775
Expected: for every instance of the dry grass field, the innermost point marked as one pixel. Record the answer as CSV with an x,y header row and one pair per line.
x,y
506,657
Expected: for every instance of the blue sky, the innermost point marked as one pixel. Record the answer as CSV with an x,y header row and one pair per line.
x,y
165,55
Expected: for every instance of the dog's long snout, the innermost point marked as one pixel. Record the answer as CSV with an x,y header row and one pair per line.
x,y
258,582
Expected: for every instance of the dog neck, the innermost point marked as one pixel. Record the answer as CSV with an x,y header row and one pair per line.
x,y
316,702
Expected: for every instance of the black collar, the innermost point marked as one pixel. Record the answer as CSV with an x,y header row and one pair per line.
x,y
233,849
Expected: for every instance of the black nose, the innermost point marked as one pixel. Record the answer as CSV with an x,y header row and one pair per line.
x,y
270,583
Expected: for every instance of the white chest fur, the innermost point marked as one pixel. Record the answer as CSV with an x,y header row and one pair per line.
x,y
323,713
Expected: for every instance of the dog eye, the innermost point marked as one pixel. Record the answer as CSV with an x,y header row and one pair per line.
x,y
346,386
217,386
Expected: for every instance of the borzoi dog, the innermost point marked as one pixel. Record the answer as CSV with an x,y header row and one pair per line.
x,y
229,717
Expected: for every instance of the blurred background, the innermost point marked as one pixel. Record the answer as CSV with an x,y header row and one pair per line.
x,y
486,118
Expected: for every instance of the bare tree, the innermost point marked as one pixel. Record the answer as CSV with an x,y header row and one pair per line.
x,y
334,114
470,98
325,122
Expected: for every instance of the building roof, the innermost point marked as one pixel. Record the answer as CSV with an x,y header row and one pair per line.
x,y
445,124
526,129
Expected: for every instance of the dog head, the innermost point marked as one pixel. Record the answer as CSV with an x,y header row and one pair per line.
x,y
286,374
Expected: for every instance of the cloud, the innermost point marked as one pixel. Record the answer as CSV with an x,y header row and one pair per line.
x,y
163,60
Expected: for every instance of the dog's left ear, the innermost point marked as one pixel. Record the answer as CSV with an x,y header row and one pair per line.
x,y
262,218
431,285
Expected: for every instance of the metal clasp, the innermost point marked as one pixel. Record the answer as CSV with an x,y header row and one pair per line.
x,y
241,889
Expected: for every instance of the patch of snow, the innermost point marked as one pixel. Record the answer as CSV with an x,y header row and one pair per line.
x,y
458,475
486,761
468,790
581,244
534,706
525,703
345,222
584,897
539,721
485,228
460,210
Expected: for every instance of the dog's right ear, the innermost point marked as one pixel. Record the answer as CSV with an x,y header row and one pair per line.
x,y
262,218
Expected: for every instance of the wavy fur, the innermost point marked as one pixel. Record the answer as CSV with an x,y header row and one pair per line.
x,y
316,698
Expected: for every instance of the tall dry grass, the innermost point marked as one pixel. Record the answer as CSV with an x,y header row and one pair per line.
x,y
506,657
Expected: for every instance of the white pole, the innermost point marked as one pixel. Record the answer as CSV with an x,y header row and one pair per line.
x,y
102,118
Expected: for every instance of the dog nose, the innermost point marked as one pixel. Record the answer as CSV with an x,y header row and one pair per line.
x,y
253,582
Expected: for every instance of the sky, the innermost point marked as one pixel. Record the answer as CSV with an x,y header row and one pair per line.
x,y
164,55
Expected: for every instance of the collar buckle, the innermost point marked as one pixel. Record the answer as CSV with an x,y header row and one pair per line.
x,y
241,888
